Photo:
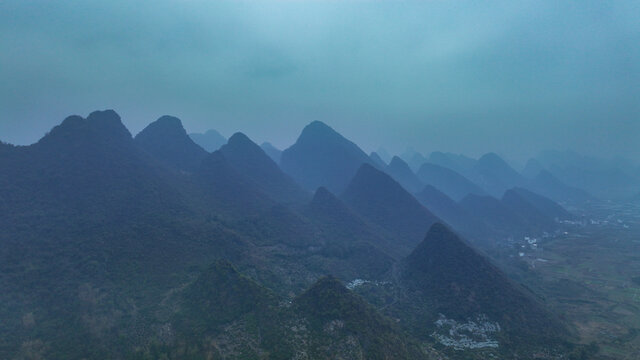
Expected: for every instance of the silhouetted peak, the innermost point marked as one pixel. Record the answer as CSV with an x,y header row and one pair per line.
x,y
170,122
322,193
107,120
398,163
240,139
318,125
491,159
98,126
168,142
440,245
367,169
377,160
240,149
73,121
318,129
164,126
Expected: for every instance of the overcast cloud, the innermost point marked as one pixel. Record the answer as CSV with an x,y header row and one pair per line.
x,y
513,77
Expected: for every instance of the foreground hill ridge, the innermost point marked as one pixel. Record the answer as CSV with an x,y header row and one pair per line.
x,y
128,237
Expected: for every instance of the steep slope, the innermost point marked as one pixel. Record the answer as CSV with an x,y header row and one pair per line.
x,y
349,237
100,224
220,295
496,215
166,140
548,185
545,205
448,280
400,172
413,158
274,153
344,322
254,164
227,315
517,201
322,157
448,181
451,212
382,201
494,175
458,163
210,140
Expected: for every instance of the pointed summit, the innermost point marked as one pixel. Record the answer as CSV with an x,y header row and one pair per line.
x,y
400,171
322,157
381,200
494,175
210,140
254,164
446,273
328,302
167,141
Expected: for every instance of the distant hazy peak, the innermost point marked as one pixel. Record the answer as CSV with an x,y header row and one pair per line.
x,y
492,158
396,161
211,140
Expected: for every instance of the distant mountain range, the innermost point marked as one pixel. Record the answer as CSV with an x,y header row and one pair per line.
x,y
448,181
159,247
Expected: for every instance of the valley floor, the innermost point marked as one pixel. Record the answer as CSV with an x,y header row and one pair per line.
x,y
591,276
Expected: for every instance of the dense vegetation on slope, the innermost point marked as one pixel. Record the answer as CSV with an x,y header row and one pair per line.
x,y
446,276
106,251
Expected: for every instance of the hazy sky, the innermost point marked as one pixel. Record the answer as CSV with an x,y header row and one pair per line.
x,y
508,76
